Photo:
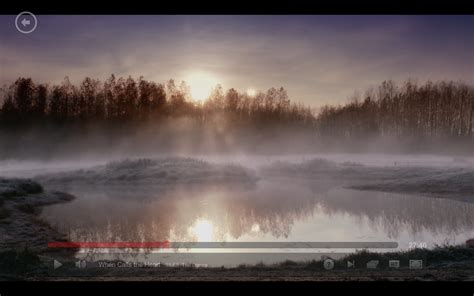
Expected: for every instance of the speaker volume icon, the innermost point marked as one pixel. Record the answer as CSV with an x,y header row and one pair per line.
x,y
81,264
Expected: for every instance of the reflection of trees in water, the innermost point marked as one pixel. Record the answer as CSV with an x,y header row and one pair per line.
x,y
150,215
396,212
143,215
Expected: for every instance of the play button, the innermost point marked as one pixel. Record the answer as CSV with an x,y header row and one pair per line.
x,y
57,264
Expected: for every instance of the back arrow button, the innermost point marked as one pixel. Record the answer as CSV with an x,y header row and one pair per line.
x,y
25,22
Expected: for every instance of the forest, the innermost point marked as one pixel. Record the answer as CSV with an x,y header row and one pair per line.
x,y
125,100
432,110
419,115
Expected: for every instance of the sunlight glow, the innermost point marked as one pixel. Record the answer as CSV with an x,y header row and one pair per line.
x,y
251,92
202,230
201,84
255,228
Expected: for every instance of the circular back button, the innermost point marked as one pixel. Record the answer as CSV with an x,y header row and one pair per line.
x,y
26,22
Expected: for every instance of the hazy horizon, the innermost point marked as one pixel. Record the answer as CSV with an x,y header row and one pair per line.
x,y
318,59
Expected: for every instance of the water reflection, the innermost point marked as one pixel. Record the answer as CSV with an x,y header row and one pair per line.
x,y
274,210
397,212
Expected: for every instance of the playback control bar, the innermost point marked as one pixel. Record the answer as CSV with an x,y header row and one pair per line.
x,y
225,245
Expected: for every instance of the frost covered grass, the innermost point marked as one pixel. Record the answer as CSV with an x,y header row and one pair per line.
x,y
14,188
161,171
20,204
10,188
446,182
457,184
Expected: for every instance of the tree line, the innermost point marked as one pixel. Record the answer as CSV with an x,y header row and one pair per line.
x,y
138,100
431,110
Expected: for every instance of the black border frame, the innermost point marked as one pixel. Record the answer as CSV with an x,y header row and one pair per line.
x,y
230,8
239,7
233,287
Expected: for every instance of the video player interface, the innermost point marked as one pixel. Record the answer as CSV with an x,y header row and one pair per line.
x,y
236,147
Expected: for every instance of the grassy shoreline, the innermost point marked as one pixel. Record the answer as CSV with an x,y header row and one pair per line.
x,y
449,263
455,183
24,254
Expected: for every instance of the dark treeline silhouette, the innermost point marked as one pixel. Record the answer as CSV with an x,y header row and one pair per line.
x,y
430,111
408,117
128,100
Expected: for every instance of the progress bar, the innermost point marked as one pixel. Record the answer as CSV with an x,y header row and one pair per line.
x,y
230,245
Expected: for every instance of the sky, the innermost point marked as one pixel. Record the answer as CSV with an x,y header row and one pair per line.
x,y
318,59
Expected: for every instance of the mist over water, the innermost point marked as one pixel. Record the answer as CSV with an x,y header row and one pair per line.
x,y
259,141
273,209
182,179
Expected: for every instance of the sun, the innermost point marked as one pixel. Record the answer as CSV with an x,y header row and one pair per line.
x,y
200,84
251,92
203,230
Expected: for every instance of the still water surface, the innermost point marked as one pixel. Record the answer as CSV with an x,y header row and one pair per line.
x,y
274,210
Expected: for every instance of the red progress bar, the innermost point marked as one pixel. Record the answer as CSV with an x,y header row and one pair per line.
x,y
75,245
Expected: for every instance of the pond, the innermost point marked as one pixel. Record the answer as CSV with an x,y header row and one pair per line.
x,y
274,210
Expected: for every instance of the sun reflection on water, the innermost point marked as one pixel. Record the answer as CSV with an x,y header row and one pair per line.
x,y
202,230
